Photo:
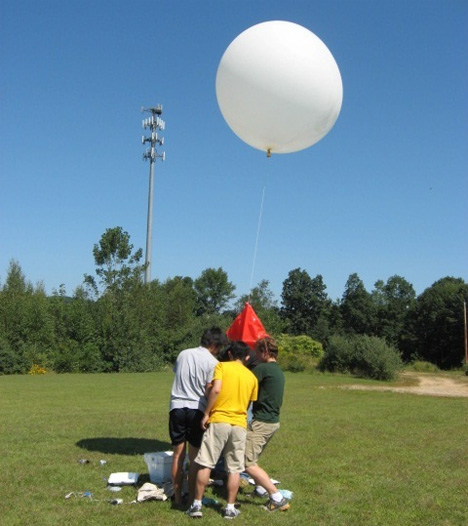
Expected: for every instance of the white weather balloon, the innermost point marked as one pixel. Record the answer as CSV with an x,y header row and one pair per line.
x,y
279,87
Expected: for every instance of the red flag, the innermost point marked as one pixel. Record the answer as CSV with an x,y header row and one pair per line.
x,y
247,327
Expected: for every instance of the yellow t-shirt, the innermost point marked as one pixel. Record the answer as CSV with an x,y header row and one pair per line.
x,y
239,387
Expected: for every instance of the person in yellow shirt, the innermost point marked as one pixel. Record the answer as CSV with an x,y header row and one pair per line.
x,y
225,421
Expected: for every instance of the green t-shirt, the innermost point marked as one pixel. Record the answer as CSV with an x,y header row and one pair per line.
x,y
270,392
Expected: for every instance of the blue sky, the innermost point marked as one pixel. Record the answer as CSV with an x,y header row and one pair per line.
x,y
383,193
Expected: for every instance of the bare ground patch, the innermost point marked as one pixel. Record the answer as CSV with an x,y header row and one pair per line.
x,y
424,384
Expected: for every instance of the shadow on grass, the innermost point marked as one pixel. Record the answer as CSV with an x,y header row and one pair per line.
x,y
123,446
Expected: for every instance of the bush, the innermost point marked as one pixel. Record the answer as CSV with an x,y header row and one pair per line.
x,y
377,359
301,345
339,355
11,361
421,366
293,363
298,353
366,356
37,369
65,359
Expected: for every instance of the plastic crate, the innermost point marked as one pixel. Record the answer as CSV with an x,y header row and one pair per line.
x,y
159,466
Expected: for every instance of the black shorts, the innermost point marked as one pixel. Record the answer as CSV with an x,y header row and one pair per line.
x,y
185,426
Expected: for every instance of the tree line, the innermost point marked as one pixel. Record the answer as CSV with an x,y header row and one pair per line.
x,y
115,322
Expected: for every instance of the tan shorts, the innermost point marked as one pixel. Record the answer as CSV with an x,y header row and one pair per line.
x,y
223,439
258,436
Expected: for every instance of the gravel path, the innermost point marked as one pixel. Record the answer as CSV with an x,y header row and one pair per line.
x,y
427,384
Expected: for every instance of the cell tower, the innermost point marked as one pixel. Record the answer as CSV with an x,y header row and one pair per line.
x,y
154,123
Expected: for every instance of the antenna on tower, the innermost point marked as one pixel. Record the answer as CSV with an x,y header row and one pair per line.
x,y
154,123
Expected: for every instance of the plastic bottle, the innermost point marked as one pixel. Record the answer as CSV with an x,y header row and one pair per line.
x,y
286,493
209,502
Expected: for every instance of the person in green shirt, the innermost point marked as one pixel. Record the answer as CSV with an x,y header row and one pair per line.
x,y
266,418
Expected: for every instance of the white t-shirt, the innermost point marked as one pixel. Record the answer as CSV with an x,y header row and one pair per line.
x,y
193,370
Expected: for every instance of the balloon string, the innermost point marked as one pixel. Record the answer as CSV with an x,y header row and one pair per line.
x,y
256,242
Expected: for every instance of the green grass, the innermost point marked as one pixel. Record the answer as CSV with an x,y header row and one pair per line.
x,y
351,457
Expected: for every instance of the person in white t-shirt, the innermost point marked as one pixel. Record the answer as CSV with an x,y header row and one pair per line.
x,y
193,375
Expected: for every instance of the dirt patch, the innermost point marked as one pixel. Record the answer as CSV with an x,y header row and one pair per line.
x,y
424,384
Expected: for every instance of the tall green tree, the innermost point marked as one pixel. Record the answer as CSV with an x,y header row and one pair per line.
x,y
322,307
357,308
121,279
181,301
393,301
154,308
304,302
76,337
26,323
117,266
436,324
213,291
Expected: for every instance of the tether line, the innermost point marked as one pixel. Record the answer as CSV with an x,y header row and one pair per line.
x,y
256,241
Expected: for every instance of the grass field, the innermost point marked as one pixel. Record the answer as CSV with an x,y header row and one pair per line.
x,y
351,457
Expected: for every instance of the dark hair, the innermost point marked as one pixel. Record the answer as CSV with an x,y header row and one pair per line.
x,y
267,344
251,360
214,336
239,350
223,355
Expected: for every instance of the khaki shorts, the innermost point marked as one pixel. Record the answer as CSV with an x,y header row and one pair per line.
x,y
223,439
258,436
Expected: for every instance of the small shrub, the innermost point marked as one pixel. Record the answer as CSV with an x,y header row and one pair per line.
x,y
339,355
12,361
292,363
65,359
37,369
37,355
377,359
301,345
366,356
421,366
298,353
90,360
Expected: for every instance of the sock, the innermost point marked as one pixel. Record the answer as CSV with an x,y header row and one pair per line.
x,y
230,506
197,503
277,497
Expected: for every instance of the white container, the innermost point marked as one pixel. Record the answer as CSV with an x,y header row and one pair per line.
x,y
159,466
122,479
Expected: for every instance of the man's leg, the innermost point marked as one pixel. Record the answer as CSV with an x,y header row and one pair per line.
x,y
258,436
203,477
261,478
193,470
211,447
276,501
232,487
177,471
234,456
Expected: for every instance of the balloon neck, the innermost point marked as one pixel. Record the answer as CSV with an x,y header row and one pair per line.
x,y
269,152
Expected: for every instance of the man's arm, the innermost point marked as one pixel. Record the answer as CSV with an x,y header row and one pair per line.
x,y
209,384
208,387
254,395
212,396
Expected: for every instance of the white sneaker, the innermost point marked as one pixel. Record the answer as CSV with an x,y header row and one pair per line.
x,y
194,511
231,514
